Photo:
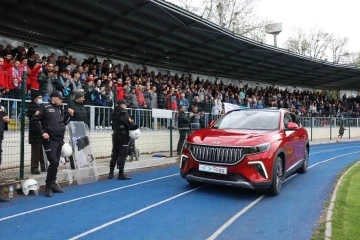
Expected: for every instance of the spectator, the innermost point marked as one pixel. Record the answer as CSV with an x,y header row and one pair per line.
x,y
184,102
47,81
76,85
184,127
3,83
80,111
35,137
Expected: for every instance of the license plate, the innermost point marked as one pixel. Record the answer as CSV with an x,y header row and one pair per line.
x,y
212,169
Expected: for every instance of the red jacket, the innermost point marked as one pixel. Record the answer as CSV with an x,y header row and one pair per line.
x,y
140,97
120,94
171,102
32,79
6,65
10,75
3,83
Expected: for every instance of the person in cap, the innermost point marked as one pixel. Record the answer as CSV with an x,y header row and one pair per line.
x,y
183,127
121,124
50,121
80,111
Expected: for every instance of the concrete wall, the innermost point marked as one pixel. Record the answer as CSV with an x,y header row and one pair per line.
x,y
325,133
149,142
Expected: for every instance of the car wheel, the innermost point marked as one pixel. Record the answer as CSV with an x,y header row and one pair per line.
x,y
277,178
305,165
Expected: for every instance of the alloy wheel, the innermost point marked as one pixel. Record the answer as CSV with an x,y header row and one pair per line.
x,y
306,159
279,174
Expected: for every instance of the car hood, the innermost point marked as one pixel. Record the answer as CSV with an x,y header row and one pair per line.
x,y
231,137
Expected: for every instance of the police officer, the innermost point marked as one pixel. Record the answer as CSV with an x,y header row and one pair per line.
x,y
51,122
121,124
183,126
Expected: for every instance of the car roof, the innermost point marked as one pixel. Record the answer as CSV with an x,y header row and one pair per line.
x,y
270,109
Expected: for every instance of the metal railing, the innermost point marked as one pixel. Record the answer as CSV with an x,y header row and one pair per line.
x,y
99,117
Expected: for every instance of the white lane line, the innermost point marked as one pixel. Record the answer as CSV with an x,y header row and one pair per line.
x,y
236,216
333,150
333,144
248,207
330,159
132,214
85,197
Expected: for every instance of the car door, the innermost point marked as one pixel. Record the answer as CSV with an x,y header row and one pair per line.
x,y
299,140
290,142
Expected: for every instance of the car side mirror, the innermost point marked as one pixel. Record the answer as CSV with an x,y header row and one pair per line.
x,y
211,123
292,126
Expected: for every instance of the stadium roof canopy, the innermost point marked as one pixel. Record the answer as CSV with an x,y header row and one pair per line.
x,y
154,32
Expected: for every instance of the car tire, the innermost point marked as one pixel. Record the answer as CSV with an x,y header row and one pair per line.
x,y
304,167
277,178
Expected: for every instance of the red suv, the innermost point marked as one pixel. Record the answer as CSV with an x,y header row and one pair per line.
x,y
251,148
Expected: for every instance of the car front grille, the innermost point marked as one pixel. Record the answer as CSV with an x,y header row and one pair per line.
x,y
225,177
220,155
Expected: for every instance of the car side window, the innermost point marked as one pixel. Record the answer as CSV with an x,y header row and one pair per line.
x,y
287,119
295,119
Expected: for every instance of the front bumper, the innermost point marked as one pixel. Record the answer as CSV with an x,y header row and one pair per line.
x,y
232,180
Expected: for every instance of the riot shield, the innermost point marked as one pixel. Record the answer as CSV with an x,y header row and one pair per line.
x,y
84,161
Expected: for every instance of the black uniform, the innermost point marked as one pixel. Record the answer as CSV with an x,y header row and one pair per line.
x,y
184,127
120,139
35,142
50,119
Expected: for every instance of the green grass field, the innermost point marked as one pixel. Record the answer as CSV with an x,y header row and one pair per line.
x,y
346,213
346,216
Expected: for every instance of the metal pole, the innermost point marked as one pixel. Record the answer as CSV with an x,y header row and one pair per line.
x,y
275,41
349,126
114,98
171,136
22,136
330,127
311,129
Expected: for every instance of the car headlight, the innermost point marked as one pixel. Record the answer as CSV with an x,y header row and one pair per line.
x,y
258,149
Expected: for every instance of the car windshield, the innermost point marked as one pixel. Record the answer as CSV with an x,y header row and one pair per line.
x,y
250,119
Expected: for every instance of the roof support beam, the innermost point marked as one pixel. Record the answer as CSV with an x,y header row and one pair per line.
x,y
301,74
340,80
220,59
109,22
156,37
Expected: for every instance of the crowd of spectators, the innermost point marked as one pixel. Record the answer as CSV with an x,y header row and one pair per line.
x,y
104,83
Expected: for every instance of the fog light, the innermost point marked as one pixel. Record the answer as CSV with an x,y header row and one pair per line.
x,y
259,166
183,161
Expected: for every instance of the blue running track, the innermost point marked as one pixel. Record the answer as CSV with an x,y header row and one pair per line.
x,y
159,204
